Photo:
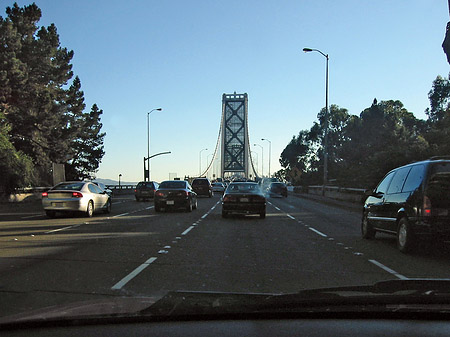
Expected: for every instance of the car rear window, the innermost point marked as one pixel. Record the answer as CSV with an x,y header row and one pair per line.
x,y
438,189
237,188
172,184
200,182
69,186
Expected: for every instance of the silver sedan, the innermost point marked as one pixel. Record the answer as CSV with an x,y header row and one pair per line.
x,y
76,196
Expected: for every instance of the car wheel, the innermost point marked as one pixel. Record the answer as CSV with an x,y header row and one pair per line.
x,y
189,206
50,214
210,194
195,204
224,214
405,236
108,207
367,230
90,209
262,215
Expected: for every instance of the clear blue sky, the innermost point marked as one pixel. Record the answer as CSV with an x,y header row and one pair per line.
x,y
133,56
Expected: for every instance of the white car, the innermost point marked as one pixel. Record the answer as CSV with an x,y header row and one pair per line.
x,y
218,187
76,196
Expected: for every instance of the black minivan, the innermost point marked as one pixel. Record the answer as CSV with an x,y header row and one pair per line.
x,y
411,202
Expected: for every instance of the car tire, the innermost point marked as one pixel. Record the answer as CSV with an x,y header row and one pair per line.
x,y
262,215
108,207
50,214
367,231
405,236
195,204
210,194
224,214
90,209
189,206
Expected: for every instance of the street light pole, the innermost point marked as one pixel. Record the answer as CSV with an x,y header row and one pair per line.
x,y
270,152
262,159
120,175
148,143
200,162
325,138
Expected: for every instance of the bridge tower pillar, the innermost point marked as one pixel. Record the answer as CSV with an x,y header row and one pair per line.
x,y
235,149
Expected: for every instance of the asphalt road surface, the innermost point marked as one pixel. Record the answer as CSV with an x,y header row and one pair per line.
x,y
134,251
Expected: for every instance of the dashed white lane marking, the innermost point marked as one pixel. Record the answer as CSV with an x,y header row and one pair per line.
x,y
31,216
389,270
187,230
61,229
123,214
133,274
290,216
150,207
204,215
277,208
318,232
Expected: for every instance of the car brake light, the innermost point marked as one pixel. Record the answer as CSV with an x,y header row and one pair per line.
x,y
159,194
426,206
45,195
77,195
229,198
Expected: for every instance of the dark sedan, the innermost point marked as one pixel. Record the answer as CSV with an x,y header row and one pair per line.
x,y
175,194
243,198
277,189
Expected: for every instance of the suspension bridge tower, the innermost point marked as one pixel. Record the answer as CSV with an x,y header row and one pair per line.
x,y
235,148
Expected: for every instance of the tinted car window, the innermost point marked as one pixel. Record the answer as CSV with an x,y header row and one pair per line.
x,y
200,182
382,187
173,184
414,179
69,186
398,180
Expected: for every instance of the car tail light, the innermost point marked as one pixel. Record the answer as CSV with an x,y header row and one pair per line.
x,y
159,194
135,190
426,206
77,195
45,195
229,198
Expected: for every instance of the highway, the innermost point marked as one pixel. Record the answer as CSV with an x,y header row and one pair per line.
x,y
134,251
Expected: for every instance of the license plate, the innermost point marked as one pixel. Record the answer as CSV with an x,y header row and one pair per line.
x,y
57,204
170,202
244,199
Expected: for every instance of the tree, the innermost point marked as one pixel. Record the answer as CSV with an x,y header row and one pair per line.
x,y
87,147
438,123
33,74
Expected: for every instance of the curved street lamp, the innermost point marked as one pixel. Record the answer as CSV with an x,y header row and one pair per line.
x,y
325,138
270,152
148,143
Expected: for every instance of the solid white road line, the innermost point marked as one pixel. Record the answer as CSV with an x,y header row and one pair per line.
x,y
31,216
116,216
389,270
133,274
61,229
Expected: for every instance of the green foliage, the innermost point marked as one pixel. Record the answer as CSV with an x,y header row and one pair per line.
x,y
46,120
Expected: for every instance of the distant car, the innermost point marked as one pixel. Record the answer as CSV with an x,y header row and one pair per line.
x,y
277,189
76,196
243,198
145,190
103,187
175,194
218,187
202,186
411,202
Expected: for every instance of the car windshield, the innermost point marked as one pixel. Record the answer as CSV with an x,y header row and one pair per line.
x,y
172,184
328,123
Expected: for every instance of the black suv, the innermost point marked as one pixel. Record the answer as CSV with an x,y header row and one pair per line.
x,y
145,190
411,202
202,186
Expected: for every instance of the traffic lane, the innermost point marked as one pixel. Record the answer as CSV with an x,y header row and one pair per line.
x,y
249,254
344,227
81,263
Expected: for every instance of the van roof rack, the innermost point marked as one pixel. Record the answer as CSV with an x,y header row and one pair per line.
x,y
439,157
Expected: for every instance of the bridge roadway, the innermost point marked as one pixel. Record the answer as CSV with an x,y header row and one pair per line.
x,y
136,252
